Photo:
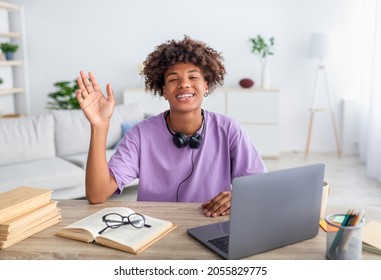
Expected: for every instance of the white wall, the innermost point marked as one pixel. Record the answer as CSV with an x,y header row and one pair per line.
x,y
111,38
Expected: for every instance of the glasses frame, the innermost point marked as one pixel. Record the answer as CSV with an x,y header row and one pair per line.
x,y
125,220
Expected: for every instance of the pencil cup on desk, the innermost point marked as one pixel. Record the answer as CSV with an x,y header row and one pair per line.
x,y
343,241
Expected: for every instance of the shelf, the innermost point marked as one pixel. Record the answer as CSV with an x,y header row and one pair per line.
x,y
10,34
14,93
319,109
252,89
6,91
10,62
11,116
9,6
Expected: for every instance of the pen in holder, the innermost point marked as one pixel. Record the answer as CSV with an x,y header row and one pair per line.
x,y
344,238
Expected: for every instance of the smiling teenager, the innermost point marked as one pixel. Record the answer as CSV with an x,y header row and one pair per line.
x,y
184,154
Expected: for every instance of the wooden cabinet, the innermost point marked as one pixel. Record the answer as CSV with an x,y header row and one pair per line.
x,y
256,109
13,89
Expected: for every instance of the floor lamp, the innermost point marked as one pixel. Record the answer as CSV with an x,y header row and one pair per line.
x,y
320,47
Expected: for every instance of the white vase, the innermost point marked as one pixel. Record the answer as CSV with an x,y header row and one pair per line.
x,y
265,77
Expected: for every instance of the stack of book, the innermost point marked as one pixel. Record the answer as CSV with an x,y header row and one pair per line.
x,y
25,211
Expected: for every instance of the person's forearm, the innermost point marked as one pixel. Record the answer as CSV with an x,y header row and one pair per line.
x,y
99,184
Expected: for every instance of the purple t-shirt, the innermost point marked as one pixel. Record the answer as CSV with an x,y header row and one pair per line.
x,y
148,153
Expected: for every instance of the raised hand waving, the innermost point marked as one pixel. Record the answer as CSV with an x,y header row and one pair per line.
x,y
97,108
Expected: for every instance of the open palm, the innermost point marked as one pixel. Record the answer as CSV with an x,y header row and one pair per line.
x,y
95,105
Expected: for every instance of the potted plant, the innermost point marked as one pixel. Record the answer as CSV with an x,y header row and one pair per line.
x,y
261,47
264,48
64,97
8,49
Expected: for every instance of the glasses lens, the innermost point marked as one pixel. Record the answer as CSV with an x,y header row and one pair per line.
x,y
113,220
137,220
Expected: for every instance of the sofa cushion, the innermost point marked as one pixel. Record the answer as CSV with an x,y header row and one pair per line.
x,y
72,129
72,132
123,114
52,173
125,127
26,139
81,159
70,193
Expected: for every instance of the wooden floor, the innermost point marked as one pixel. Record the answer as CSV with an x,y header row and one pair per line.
x,y
350,188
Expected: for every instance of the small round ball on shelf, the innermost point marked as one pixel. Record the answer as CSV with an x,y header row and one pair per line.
x,y
246,83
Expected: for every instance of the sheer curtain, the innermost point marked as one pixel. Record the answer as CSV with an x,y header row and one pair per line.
x,y
370,121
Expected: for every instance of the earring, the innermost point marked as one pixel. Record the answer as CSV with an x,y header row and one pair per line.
x,y
206,94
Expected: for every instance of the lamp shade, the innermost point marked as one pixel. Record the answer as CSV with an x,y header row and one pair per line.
x,y
320,45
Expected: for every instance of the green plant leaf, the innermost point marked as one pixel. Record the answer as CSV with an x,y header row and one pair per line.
x,y
8,47
261,47
64,97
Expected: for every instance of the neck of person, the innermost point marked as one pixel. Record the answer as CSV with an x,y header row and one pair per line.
x,y
185,122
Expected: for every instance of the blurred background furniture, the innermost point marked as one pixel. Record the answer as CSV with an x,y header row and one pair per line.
x,y
321,47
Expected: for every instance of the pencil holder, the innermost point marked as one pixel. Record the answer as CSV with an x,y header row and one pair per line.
x,y
343,242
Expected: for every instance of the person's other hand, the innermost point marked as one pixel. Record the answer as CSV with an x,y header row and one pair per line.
x,y
92,101
218,206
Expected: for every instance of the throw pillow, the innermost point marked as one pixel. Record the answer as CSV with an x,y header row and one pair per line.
x,y
125,127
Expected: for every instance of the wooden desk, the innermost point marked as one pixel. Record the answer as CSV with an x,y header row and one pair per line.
x,y
177,245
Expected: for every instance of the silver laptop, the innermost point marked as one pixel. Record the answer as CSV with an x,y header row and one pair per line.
x,y
268,211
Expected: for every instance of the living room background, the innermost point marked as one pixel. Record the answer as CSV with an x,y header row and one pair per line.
x,y
112,38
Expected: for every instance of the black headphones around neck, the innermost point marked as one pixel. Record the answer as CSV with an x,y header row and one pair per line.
x,y
181,140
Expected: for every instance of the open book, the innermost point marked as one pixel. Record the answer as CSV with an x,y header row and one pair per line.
x,y
125,238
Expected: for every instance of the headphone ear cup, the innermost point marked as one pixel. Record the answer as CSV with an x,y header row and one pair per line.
x,y
195,141
180,140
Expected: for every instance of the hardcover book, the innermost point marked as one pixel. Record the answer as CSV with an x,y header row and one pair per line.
x,y
42,224
20,222
22,200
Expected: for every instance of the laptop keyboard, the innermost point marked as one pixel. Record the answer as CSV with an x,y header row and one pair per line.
x,y
221,243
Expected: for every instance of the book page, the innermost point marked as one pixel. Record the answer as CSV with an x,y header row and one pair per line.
x,y
371,234
134,238
87,228
27,218
52,215
37,228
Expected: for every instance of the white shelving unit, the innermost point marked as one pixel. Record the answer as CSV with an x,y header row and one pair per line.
x,y
256,109
14,95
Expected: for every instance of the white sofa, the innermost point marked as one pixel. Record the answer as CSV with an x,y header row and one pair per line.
x,y
50,150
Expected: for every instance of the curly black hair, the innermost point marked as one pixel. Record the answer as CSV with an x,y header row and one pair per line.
x,y
184,51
